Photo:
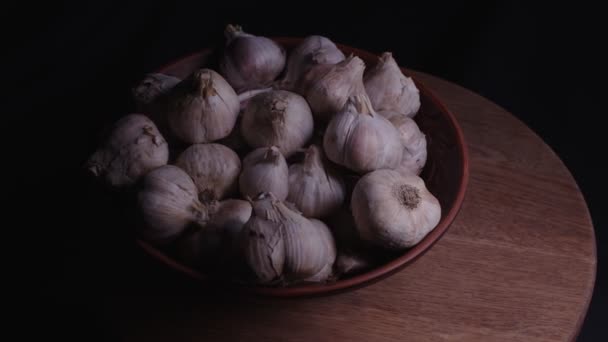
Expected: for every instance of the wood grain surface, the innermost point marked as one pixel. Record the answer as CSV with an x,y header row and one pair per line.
x,y
518,263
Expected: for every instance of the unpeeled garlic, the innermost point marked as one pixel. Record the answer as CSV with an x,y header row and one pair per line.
x,y
314,188
202,108
264,170
250,62
216,243
277,118
282,245
133,147
361,140
313,50
168,203
414,142
214,168
330,86
389,89
393,210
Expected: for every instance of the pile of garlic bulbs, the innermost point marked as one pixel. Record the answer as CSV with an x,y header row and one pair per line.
x,y
278,168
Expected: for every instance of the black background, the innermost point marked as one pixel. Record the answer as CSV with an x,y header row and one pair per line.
x,y
70,66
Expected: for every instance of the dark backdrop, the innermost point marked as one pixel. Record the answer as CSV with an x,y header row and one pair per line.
x,y
70,67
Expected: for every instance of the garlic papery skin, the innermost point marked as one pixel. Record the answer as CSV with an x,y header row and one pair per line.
x,y
216,243
249,61
202,108
244,97
351,264
328,92
264,170
214,168
361,140
168,203
389,89
282,245
393,210
414,142
151,87
277,118
133,147
311,51
314,188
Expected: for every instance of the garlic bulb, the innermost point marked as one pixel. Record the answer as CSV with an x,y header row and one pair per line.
x,y
389,89
277,118
328,91
168,203
282,245
214,168
311,51
394,210
250,62
264,170
361,140
414,142
202,108
134,147
314,188
151,87
215,243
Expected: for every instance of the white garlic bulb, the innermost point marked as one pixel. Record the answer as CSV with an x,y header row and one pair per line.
x,y
414,143
249,61
394,210
328,91
214,168
202,108
311,51
168,202
361,139
277,118
314,188
151,87
282,245
389,89
133,147
216,243
264,170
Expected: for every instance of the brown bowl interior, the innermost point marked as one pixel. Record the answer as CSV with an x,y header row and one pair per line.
x,y
446,176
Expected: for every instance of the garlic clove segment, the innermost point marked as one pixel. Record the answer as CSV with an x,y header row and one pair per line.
x,y
389,89
313,50
393,210
282,245
264,170
249,61
168,203
214,168
314,188
133,147
277,118
202,108
361,140
328,91
414,143
310,254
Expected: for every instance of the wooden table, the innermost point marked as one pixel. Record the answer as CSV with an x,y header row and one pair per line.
x,y
518,263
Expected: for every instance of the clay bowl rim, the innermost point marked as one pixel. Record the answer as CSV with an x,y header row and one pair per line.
x,y
373,275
